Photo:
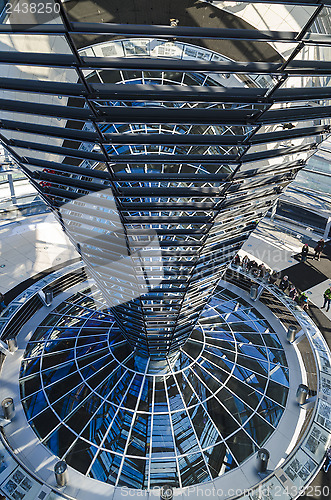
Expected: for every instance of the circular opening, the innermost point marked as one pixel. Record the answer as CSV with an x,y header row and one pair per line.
x,y
92,400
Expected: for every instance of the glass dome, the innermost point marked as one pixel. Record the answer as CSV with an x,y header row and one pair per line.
x,y
95,403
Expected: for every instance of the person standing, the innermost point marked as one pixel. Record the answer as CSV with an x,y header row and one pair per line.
x,y
304,252
327,299
250,264
245,262
327,462
284,283
319,249
236,260
293,293
263,270
273,277
267,274
254,269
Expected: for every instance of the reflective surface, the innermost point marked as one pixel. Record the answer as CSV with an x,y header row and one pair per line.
x,y
194,129
101,407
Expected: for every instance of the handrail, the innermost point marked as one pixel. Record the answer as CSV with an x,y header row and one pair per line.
x,y
20,462
322,356
9,313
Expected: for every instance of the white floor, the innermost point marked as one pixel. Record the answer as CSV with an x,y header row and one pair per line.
x,y
36,243
22,188
273,248
30,246
315,295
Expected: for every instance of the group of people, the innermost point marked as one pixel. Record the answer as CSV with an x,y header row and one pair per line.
x,y
318,250
269,276
257,270
317,255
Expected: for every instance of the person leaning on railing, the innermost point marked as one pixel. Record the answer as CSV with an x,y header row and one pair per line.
x,y
273,277
284,283
293,292
303,301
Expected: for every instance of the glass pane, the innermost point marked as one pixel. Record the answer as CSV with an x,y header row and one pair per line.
x,y
162,439
34,404
259,429
270,16
314,53
241,446
40,44
219,460
106,466
321,25
185,439
193,469
134,473
60,440
163,471
45,423
80,455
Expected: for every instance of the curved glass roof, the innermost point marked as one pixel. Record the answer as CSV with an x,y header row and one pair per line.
x,y
100,406
147,46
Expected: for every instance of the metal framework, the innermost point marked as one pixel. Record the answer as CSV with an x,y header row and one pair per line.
x,y
194,150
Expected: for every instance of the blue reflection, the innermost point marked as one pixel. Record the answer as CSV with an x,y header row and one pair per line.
x,y
107,398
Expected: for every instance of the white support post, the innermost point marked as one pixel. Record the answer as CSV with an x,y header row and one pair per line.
x,y
12,188
327,229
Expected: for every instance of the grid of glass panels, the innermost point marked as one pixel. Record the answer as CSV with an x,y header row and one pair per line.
x,y
115,417
176,226
194,140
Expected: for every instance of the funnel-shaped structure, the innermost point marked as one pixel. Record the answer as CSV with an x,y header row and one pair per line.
x,y
160,133
158,155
